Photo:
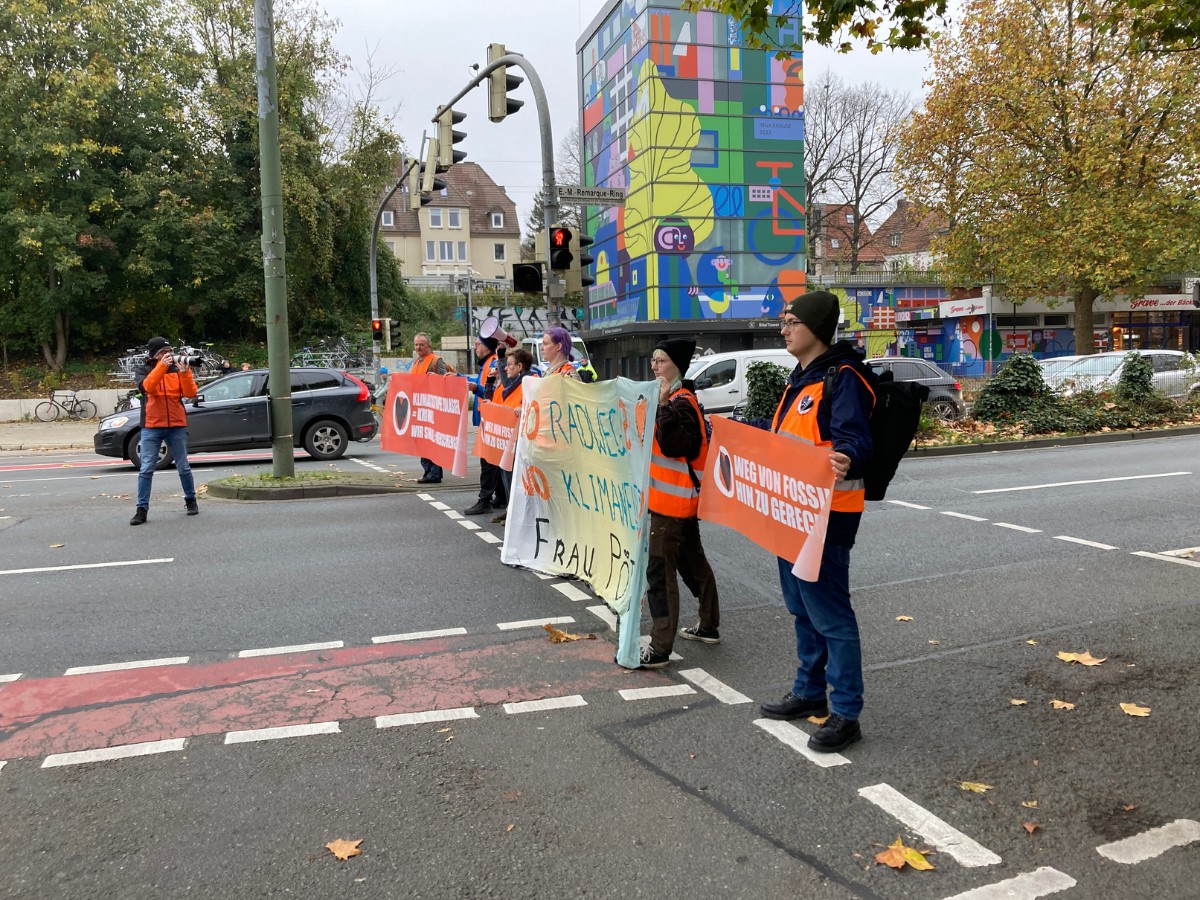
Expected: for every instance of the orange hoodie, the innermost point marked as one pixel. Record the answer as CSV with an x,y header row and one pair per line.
x,y
164,391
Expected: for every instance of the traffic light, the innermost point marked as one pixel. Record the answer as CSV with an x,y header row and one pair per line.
x,y
448,137
429,168
417,196
527,278
377,329
499,84
560,249
391,333
585,259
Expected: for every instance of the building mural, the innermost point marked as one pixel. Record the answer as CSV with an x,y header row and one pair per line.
x,y
707,139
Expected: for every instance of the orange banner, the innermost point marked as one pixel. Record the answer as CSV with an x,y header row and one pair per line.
x,y
426,415
497,433
772,488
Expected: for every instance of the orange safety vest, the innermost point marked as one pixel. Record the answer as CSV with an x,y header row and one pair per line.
x,y
514,398
424,365
800,422
672,490
564,368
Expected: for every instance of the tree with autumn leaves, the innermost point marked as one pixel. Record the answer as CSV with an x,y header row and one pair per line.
x,y
1063,155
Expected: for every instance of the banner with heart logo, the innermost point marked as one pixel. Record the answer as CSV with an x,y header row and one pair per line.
x,y
426,415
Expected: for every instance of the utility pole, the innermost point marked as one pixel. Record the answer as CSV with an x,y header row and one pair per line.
x,y
405,166
274,250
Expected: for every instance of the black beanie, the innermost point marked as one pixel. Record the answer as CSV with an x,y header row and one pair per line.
x,y
154,345
681,351
490,342
820,311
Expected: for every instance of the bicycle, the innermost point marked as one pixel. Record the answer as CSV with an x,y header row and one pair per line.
x,y
71,405
131,400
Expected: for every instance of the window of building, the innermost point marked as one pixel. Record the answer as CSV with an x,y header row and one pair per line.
x,y
849,218
446,251
834,244
429,250
498,252
462,251
435,218
391,245
388,219
454,218
1055,320
497,220
894,240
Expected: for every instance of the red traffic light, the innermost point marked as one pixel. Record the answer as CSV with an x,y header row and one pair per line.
x,y
377,329
560,238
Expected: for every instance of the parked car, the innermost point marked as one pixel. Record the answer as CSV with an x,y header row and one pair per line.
x,y
329,410
1175,373
1052,365
721,377
945,391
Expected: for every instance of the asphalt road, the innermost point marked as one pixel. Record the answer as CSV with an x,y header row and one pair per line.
x,y
316,615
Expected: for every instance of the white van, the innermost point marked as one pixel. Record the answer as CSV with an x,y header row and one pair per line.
x,y
721,378
579,351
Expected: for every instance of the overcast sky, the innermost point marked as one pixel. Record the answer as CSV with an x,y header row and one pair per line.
x,y
429,45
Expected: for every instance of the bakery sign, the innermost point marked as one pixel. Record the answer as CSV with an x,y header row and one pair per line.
x,y
956,309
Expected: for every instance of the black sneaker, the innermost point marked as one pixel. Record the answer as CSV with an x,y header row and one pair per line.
x,y
424,480
652,659
837,733
192,508
139,517
499,502
707,635
480,507
793,707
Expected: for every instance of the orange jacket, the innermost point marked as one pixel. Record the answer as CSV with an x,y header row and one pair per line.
x,y
164,391
427,364
672,490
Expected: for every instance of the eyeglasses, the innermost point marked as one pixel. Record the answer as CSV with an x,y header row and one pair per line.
x,y
788,324
659,359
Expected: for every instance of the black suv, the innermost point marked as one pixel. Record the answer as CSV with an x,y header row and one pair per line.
x,y
329,409
945,392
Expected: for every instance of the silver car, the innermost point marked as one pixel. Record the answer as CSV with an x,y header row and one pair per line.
x,y
1175,373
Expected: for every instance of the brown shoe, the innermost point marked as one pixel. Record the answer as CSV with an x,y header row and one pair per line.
x,y
500,519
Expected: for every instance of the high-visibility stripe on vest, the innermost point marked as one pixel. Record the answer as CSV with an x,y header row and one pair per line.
x,y
564,368
672,490
424,364
800,421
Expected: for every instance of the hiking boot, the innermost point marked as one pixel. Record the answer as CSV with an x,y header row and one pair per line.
x,y
500,503
424,479
192,508
139,517
480,507
707,635
837,733
793,707
500,519
652,659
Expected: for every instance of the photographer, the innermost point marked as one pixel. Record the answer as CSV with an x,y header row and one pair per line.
x,y
164,381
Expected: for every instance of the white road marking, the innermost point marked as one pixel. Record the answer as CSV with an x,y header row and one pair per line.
x,y
1186,552
12,677
1017,527
62,478
437,504
571,592
907,505
959,515
104,565
1038,487
283,731
948,840
603,612
1152,843
467,524
424,496
672,690
1026,886
106,753
488,537
541,705
710,685
430,715
295,648
3,763
453,514
534,623
797,739
369,465
417,635
135,664
1163,556
1075,540
543,577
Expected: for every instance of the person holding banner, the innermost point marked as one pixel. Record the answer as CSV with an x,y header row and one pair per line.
x,y
827,637
556,350
492,493
517,365
425,361
678,455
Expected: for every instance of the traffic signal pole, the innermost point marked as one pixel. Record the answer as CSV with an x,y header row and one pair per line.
x,y
405,168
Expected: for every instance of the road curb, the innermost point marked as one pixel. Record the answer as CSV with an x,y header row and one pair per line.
x,y
1043,443
317,490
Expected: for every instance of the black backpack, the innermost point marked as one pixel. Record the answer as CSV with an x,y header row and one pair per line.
x,y
894,422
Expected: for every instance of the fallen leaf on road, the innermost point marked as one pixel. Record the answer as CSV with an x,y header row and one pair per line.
x,y
1029,804
1062,704
904,618
818,720
933,642
511,796
95,477
1032,643
691,756
975,787
510,826
898,856
1129,808
1085,658
344,849
202,489
1132,709
1031,827
562,637
444,730
1016,702
56,546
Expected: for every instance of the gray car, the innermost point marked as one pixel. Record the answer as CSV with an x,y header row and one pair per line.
x,y
329,410
945,391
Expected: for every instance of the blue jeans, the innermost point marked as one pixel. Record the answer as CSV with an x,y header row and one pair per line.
x,y
152,439
827,641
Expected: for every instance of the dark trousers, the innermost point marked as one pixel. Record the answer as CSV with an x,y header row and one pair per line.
x,y
675,549
491,486
433,472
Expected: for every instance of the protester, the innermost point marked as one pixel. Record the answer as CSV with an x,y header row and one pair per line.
x,y
163,384
680,449
425,361
556,350
492,493
827,637
518,364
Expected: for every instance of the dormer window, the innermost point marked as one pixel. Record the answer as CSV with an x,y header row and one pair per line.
x,y
894,240
497,220
388,219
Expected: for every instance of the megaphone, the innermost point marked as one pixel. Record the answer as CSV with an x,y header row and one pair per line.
x,y
491,329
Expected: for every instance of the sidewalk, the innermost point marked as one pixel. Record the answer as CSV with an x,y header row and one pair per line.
x,y
68,435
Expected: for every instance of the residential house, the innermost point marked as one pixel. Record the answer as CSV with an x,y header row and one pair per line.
x,y
906,236
841,242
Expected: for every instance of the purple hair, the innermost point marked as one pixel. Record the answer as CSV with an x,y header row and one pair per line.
x,y
562,337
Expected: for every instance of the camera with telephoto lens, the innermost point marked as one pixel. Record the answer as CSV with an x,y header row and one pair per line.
x,y
181,361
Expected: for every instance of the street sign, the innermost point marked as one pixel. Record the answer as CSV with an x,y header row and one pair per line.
x,y
591,196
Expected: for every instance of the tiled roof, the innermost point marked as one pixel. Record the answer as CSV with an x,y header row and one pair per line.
x,y
916,230
833,225
468,187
